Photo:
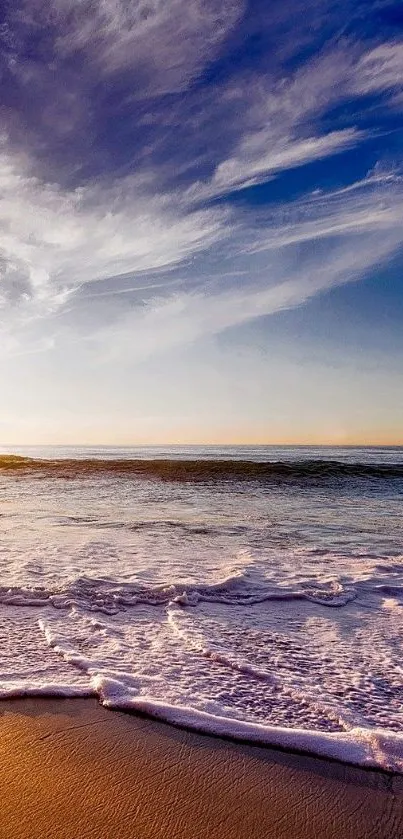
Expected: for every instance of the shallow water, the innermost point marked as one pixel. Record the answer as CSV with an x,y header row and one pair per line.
x,y
259,599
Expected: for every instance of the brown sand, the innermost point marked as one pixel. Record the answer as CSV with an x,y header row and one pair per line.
x,y
70,768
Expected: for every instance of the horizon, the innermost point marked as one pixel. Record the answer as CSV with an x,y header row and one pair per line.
x,y
201,222
211,445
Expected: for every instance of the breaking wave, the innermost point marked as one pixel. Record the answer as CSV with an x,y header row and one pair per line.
x,y
110,597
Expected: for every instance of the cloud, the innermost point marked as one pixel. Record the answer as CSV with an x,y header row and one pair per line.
x,y
260,157
105,86
187,317
117,91
278,114
15,284
54,241
56,244
360,229
373,206
166,43
380,69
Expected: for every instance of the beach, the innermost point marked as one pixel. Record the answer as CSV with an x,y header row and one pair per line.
x,y
71,768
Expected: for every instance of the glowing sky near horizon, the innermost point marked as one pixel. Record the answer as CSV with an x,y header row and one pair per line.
x,y
201,221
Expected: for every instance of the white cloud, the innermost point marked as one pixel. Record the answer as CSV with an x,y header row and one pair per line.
x,y
249,167
53,241
278,278
373,206
166,42
279,124
279,127
380,69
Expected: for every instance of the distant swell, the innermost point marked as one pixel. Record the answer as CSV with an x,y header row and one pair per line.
x,y
310,471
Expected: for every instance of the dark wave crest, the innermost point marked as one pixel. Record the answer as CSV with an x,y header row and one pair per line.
x,y
309,471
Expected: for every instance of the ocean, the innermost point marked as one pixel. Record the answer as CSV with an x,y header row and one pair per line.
x,y
249,592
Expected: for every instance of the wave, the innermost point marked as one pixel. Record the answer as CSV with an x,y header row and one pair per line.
x,y
378,748
110,597
99,653
368,747
308,471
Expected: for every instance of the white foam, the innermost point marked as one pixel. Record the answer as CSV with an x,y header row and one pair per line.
x,y
173,672
196,641
376,748
108,596
360,746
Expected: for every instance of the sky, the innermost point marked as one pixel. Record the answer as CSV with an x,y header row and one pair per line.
x,y
201,221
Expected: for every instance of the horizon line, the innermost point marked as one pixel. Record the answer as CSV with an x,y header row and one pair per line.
x,y
313,444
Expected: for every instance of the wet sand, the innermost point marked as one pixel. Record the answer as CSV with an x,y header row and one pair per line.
x,y
70,768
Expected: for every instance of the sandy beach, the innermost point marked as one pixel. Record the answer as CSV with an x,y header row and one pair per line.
x,y
71,768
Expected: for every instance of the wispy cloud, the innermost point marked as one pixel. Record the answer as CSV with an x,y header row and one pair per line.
x,y
260,158
128,96
373,206
54,241
380,69
167,44
275,131
361,228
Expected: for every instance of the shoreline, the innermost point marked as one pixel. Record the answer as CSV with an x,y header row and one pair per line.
x,y
376,749
72,768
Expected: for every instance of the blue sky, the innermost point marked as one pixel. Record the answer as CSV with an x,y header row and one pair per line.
x,y
201,221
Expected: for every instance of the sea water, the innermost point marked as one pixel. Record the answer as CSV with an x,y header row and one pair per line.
x,y
252,592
